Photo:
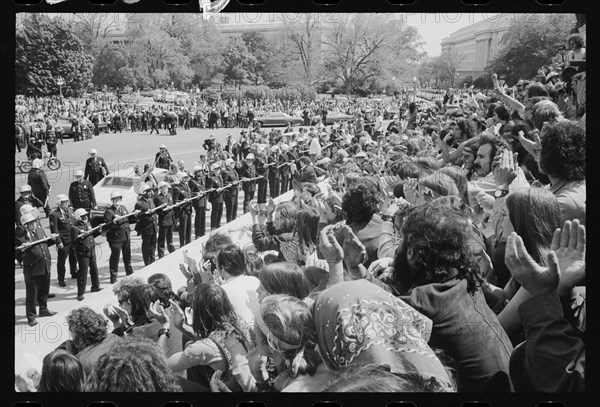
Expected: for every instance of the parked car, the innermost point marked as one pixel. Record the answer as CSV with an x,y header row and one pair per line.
x,y
278,119
335,116
124,181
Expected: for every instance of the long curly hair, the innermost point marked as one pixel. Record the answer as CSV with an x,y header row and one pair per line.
x,y
563,151
87,327
135,365
438,236
360,203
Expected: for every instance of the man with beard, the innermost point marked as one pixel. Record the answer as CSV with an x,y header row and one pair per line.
x,y
438,276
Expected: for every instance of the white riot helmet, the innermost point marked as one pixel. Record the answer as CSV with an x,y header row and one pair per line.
x,y
37,163
250,156
162,184
79,213
115,194
61,198
25,188
28,217
145,188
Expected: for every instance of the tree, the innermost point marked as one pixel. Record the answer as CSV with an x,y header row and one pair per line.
x,y
484,82
46,49
445,67
530,45
240,63
305,34
93,28
112,68
363,48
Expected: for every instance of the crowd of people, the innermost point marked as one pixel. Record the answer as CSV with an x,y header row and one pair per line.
x,y
444,252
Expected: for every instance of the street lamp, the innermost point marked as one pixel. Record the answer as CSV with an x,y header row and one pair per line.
x,y
60,82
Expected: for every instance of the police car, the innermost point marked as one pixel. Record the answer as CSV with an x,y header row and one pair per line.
x,y
125,181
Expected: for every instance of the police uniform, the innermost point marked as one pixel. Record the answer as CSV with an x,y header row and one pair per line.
x,y
165,224
85,249
163,160
182,191
147,226
61,221
197,187
37,263
261,170
51,142
284,172
274,175
230,195
249,188
119,240
216,200
81,194
95,169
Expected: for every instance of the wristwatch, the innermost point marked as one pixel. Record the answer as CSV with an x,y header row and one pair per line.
x,y
500,193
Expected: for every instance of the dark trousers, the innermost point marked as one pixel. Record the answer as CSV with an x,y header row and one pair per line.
x,y
52,151
248,196
66,251
117,127
274,186
231,206
148,247
285,184
96,129
153,128
36,291
185,228
262,191
115,253
215,215
165,233
76,134
87,263
200,221
224,121
145,126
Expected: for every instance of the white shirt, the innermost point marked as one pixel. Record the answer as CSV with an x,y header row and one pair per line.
x,y
315,147
241,291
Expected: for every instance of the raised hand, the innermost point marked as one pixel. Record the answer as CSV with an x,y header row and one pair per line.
x,y
354,251
329,246
506,170
532,147
569,244
158,312
217,385
534,278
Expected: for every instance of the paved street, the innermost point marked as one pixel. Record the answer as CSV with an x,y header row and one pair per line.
x,y
121,150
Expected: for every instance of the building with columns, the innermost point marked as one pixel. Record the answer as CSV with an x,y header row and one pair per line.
x,y
477,44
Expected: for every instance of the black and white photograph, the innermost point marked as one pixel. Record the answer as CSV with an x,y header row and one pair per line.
x,y
300,202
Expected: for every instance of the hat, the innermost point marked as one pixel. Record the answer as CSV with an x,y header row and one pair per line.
x,y
197,168
144,188
93,151
250,156
115,194
79,173
61,198
163,184
361,154
229,162
212,136
216,166
183,174
162,146
25,209
25,188
79,213
285,147
552,75
395,117
28,217
37,163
